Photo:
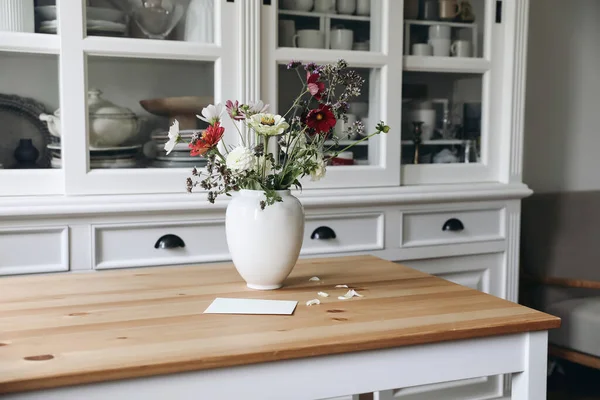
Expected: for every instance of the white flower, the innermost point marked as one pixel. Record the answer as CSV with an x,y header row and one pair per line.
x,y
318,172
173,137
257,107
268,124
240,159
211,113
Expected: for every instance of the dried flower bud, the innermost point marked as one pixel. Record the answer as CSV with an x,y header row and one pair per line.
x,y
293,64
263,204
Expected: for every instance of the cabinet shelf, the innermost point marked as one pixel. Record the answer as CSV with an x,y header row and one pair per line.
x,y
450,24
146,48
34,43
346,143
325,15
440,142
355,58
446,64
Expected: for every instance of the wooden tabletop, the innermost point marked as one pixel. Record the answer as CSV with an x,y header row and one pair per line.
x,y
64,329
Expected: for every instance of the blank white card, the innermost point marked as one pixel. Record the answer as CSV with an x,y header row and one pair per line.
x,y
251,306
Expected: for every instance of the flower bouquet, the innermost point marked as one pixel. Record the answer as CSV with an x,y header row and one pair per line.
x,y
262,177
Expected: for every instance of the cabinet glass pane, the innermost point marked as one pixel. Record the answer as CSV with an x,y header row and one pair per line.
x,y
363,109
329,24
185,20
441,118
18,16
444,28
28,89
132,102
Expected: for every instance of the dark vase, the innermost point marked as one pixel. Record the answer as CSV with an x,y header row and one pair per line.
x,y
26,154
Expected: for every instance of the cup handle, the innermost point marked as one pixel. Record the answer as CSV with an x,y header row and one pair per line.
x,y
453,49
295,40
458,9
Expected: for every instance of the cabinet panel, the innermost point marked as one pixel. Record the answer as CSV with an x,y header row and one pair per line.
x,y
138,245
431,228
482,272
31,250
337,233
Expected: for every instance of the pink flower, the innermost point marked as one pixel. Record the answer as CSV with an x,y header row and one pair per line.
x,y
315,88
234,111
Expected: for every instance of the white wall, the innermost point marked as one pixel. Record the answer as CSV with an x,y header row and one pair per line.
x,y
562,124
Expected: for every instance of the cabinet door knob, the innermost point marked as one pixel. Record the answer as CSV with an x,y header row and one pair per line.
x,y
169,242
453,225
323,233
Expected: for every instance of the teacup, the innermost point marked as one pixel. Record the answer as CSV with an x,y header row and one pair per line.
x,y
309,38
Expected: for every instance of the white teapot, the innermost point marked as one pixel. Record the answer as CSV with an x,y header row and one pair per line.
x,y
108,124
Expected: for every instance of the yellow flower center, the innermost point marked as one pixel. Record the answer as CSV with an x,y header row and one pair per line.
x,y
319,117
267,120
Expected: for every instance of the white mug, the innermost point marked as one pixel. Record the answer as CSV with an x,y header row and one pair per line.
x,y
346,6
428,119
286,32
461,48
309,38
422,49
441,47
363,7
341,127
439,32
325,6
342,39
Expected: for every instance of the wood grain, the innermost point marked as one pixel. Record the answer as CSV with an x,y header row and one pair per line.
x,y
574,356
66,329
562,282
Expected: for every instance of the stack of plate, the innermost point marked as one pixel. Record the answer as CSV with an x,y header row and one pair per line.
x,y
100,21
107,157
180,156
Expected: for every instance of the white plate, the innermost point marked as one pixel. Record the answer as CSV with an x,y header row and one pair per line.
x,y
126,163
115,148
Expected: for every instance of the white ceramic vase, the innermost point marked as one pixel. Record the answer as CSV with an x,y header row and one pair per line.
x,y
264,244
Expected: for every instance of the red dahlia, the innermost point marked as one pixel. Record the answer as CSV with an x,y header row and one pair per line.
x,y
208,140
321,119
315,88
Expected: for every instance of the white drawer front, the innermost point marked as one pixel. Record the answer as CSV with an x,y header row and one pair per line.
x,y
133,245
31,250
353,232
432,228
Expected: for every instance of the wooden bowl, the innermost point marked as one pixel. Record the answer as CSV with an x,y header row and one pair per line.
x,y
182,109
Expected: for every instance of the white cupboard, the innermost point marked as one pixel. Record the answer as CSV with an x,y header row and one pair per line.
x,y
440,192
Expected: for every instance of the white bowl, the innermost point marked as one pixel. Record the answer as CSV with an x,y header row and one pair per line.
x,y
297,5
48,13
359,109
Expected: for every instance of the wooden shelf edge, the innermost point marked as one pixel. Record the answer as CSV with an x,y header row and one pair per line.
x,y
561,282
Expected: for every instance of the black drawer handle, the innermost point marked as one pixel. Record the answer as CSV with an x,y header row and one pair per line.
x,y
453,225
323,233
169,242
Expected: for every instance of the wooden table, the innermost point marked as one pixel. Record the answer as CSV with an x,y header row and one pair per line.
x,y
141,334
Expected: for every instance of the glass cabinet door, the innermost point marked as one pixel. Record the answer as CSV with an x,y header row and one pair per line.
x,y
451,85
325,31
135,68
29,90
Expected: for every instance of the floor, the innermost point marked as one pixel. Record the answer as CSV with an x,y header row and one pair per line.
x,y
574,382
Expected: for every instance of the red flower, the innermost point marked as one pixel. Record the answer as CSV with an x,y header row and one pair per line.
x,y
321,119
208,140
315,88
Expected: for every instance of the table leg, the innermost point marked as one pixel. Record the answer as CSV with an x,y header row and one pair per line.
x,y
531,383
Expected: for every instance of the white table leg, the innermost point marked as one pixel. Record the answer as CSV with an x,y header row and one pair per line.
x,y
531,383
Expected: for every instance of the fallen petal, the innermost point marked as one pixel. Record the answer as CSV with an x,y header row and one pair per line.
x,y
314,279
323,294
313,302
355,293
343,298
344,286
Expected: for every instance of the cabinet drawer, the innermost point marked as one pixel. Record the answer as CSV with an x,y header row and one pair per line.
x,y
432,228
340,233
138,245
31,250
